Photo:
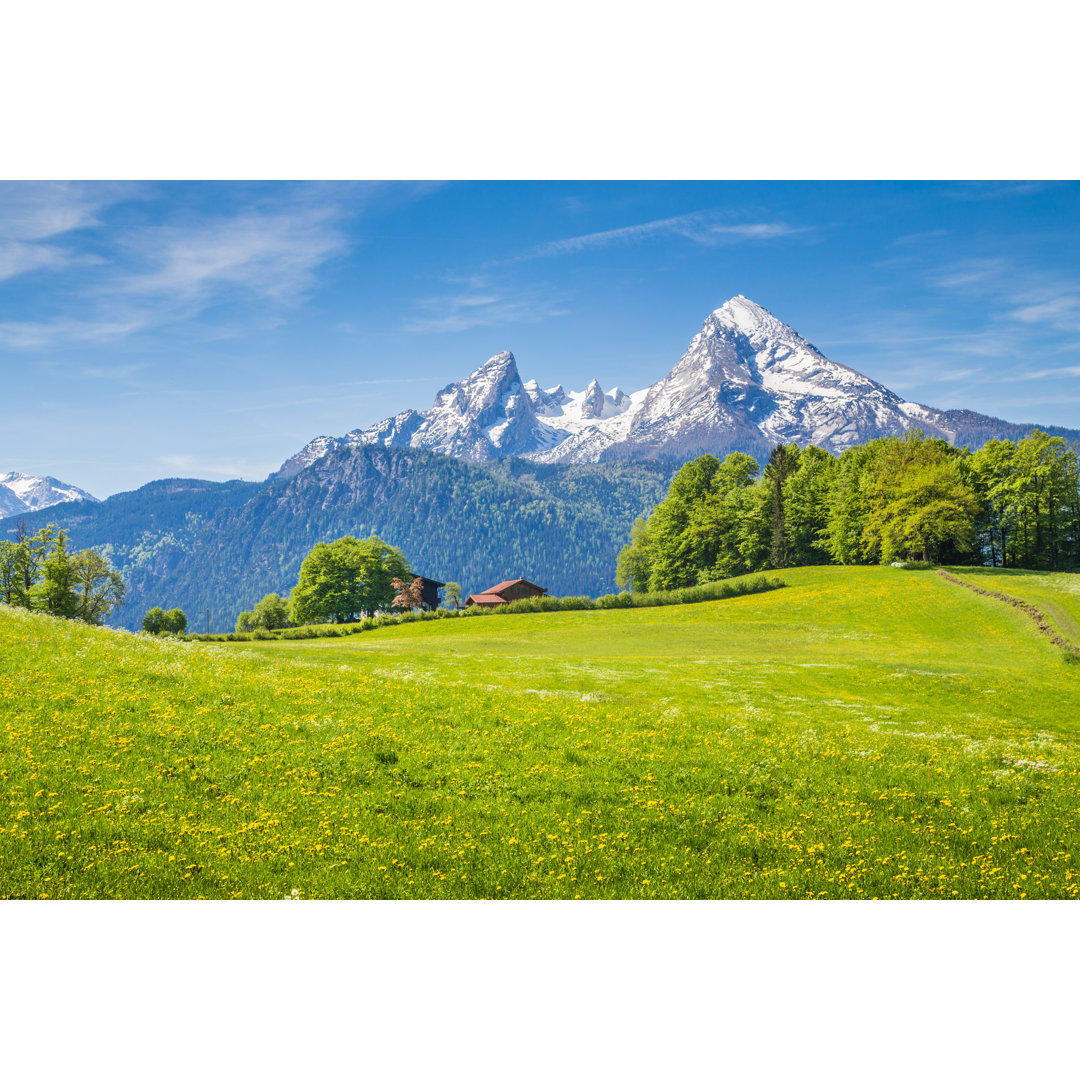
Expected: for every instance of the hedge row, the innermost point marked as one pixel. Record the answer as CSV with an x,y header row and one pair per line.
x,y
695,594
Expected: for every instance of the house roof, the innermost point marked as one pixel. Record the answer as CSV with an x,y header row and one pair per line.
x,y
430,581
516,581
486,598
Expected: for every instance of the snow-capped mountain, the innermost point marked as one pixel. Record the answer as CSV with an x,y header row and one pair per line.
x,y
746,382
20,494
747,378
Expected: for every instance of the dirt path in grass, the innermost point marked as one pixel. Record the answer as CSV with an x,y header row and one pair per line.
x,y
1066,623
1030,610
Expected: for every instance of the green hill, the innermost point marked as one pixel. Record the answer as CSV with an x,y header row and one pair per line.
x,y
862,732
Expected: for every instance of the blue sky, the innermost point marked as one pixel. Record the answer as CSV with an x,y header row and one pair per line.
x,y
211,329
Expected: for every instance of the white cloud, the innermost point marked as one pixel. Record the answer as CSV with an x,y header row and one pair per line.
x,y
1042,373
979,274
17,257
920,237
238,469
36,211
994,189
24,335
163,274
698,227
1060,311
758,231
113,371
32,212
482,305
271,254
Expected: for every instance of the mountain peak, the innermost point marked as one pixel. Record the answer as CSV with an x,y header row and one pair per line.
x,y
593,403
747,317
22,493
501,361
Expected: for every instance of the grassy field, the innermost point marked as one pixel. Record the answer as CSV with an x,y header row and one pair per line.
x,y
863,732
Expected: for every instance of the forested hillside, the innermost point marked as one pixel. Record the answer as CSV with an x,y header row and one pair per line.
x,y
198,545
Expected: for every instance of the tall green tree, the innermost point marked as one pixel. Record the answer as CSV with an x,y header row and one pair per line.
x,y
346,579
55,592
917,503
452,594
783,461
11,590
989,473
29,557
271,613
633,561
809,493
697,532
99,588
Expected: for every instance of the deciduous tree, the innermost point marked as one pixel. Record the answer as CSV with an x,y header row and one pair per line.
x,y
409,595
98,587
271,613
343,580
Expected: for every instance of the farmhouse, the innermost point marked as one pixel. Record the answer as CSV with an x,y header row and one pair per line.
x,y
504,592
429,592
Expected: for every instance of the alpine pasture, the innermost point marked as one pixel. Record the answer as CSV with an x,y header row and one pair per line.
x,y
862,732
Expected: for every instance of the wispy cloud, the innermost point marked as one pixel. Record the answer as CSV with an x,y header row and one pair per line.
x,y
971,274
119,372
763,230
38,211
1058,309
153,276
482,304
33,213
238,468
18,258
1072,370
704,227
994,189
1031,298
919,237
272,255
24,335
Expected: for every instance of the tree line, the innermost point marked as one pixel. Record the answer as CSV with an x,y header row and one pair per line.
x,y
40,572
910,498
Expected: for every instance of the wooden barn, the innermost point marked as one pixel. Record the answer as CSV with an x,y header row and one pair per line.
x,y
504,592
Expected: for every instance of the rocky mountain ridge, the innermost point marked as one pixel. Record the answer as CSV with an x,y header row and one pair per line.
x,y
747,381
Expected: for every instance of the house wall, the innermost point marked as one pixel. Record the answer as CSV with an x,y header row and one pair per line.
x,y
430,593
521,592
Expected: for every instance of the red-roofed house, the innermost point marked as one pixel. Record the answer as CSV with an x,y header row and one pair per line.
x,y
504,592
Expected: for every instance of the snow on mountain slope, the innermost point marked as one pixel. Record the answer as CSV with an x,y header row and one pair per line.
x,y
746,382
20,493
747,375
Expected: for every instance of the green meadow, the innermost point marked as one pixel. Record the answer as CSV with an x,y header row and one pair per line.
x,y
861,732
